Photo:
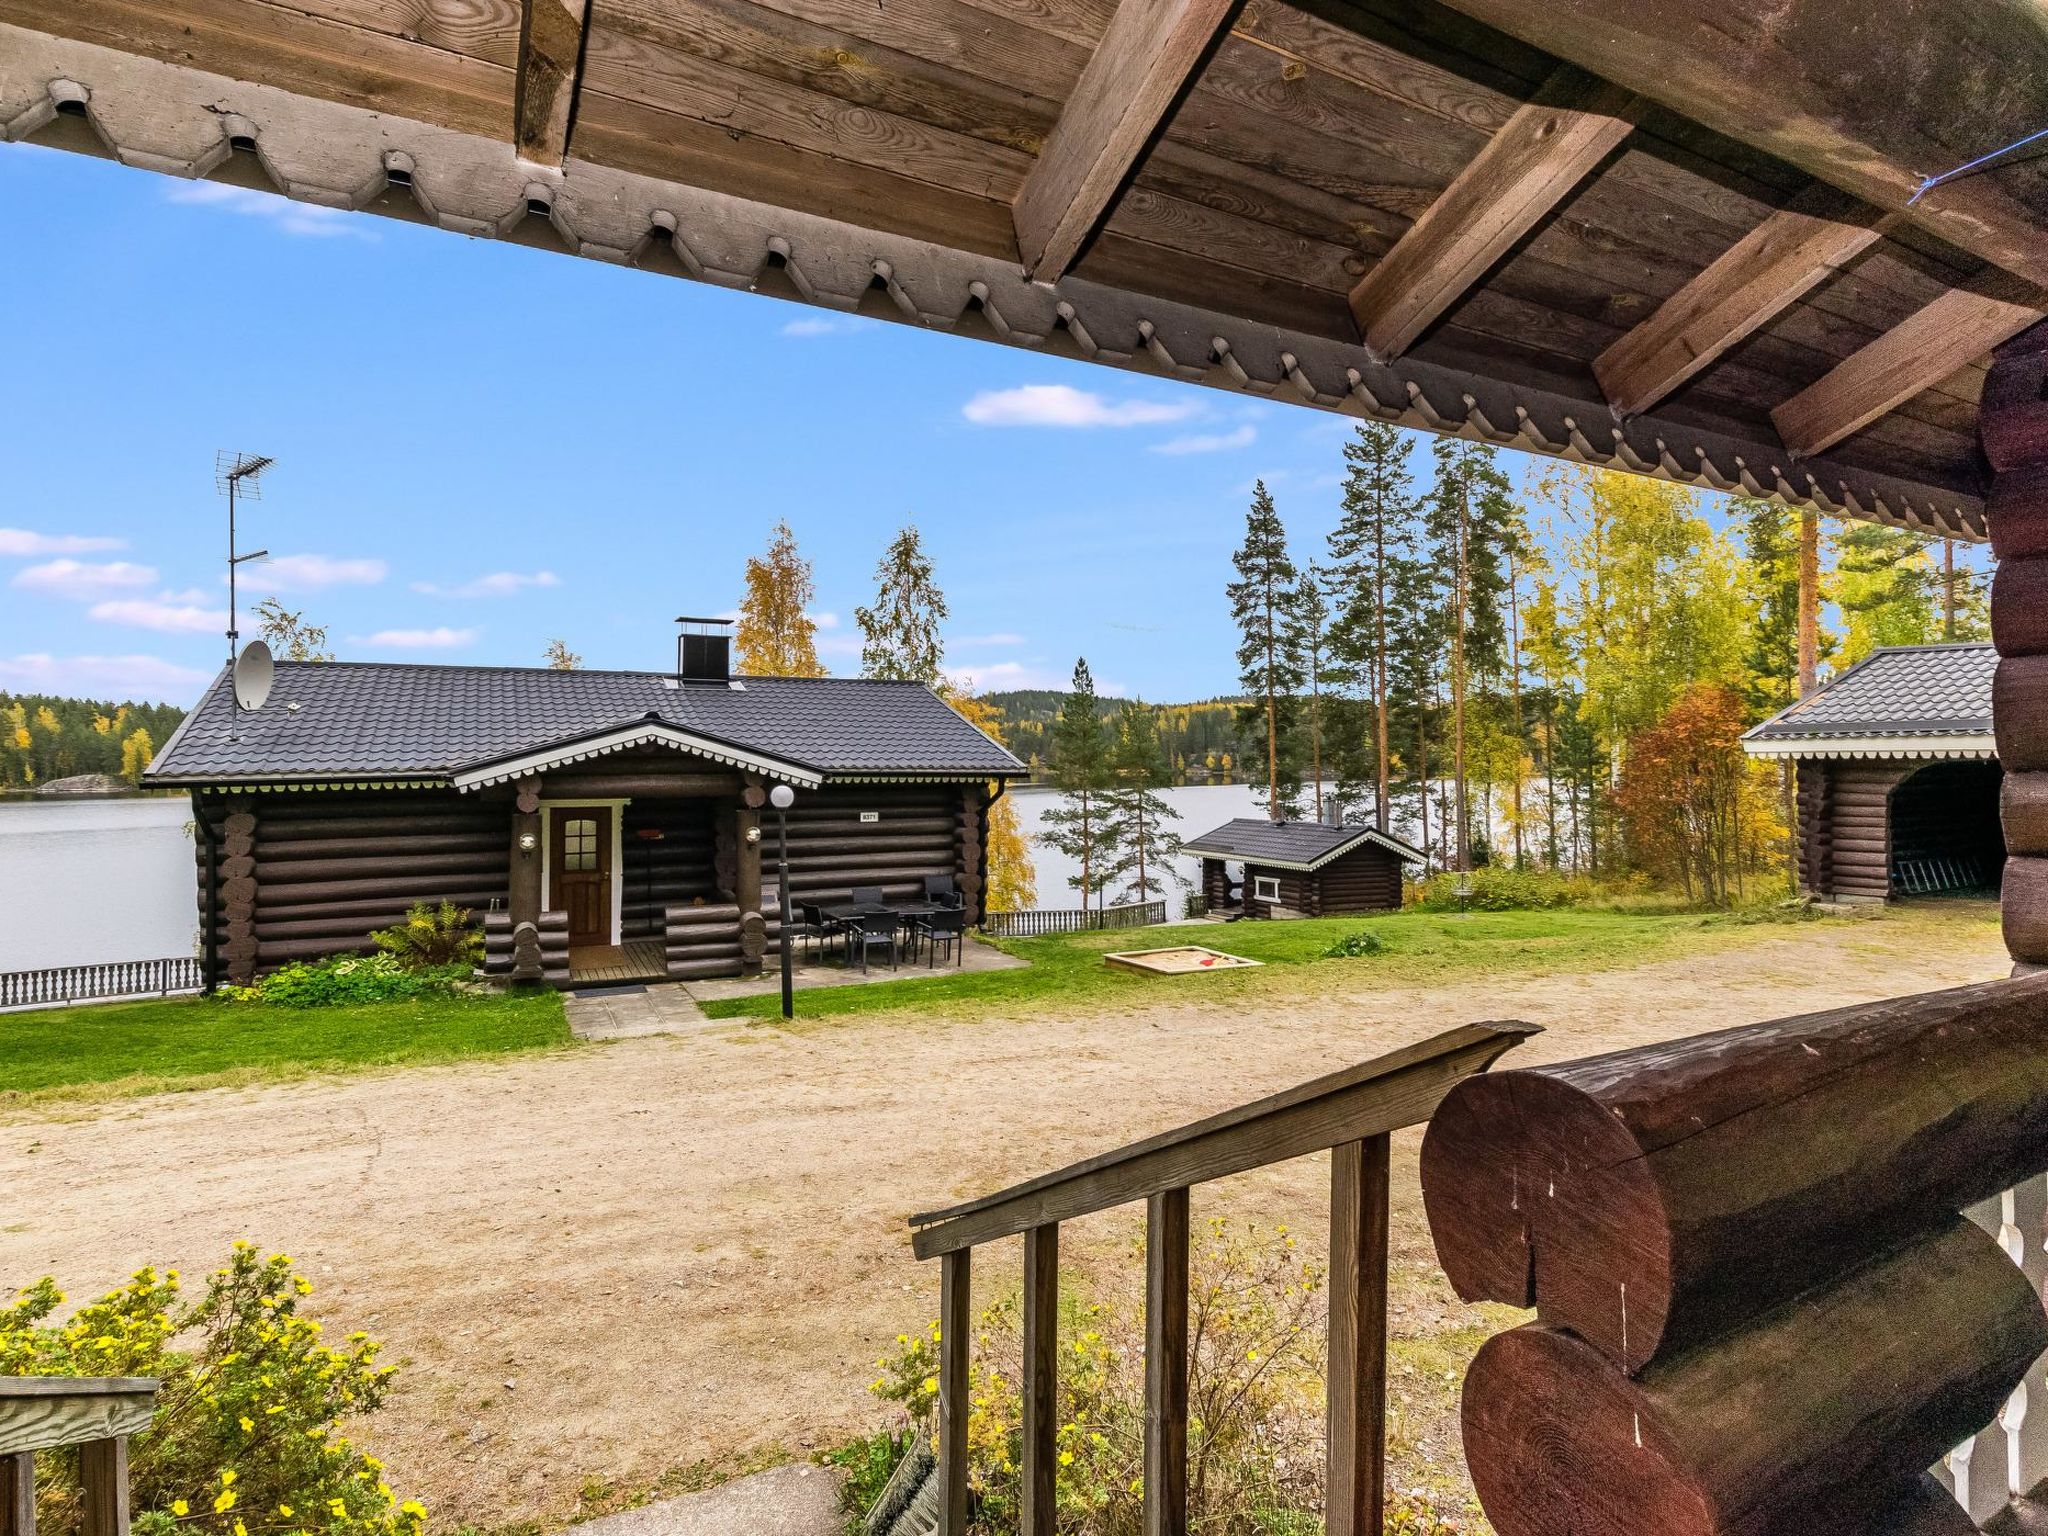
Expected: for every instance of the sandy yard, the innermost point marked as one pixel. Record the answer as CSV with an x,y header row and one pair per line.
x,y
606,1263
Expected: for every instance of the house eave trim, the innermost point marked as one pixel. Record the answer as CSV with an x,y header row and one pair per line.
x,y
546,759
1959,745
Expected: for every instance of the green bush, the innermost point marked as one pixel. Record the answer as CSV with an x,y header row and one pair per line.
x,y
1256,1323
1355,946
347,979
432,937
1500,889
245,1437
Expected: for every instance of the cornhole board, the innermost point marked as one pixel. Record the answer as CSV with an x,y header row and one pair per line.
x,y
1181,960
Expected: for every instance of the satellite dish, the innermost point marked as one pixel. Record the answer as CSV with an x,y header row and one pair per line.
x,y
254,673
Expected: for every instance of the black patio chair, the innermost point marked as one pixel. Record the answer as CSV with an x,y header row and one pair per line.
x,y
868,896
940,891
947,926
875,930
806,925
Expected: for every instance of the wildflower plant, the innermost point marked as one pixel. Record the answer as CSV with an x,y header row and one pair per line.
x,y
246,1438
346,979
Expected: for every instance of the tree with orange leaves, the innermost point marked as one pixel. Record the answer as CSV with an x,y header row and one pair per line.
x,y
1696,811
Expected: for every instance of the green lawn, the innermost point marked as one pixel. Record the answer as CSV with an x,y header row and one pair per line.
x,y
1419,947
114,1049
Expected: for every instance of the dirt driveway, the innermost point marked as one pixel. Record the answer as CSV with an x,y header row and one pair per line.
x,y
606,1263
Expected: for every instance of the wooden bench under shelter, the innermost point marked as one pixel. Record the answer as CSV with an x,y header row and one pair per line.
x,y
1716,242
96,1416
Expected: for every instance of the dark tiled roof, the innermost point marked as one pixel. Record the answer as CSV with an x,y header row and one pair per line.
x,y
1908,690
1290,844
384,720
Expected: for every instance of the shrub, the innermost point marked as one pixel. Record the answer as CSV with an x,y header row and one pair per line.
x,y
347,979
1255,1403
1500,889
433,936
1355,946
245,1435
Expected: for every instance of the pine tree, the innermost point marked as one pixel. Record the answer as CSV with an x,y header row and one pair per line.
x,y
1306,624
1371,546
1415,650
776,635
1888,588
1770,546
900,633
1258,604
1078,825
1135,814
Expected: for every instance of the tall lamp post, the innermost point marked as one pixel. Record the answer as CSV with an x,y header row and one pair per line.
x,y
782,797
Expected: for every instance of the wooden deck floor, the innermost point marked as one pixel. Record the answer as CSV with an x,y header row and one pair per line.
x,y
634,960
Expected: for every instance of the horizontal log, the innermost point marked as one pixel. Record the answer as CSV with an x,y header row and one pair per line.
x,y
476,900
800,828
685,917
1821,1405
1650,1198
424,887
703,970
2023,805
2024,905
635,784
2019,606
2019,713
2012,412
396,866
278,951
2016,508
730,949
495,824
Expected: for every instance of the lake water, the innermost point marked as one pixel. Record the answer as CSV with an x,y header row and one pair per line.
x,y
86,881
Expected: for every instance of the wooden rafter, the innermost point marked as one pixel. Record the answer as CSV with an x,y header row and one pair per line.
x,y
1756,279
1958,328
1139,69
1526,170
551,34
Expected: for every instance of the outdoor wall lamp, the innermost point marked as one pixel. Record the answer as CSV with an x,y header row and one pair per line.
x,y
753,834
528,842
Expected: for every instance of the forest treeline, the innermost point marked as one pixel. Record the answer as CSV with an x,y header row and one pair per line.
x,y
43,737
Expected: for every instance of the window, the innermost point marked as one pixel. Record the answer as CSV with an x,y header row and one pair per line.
x,y
1265,887
579,845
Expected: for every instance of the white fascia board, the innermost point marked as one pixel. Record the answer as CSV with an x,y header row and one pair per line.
x,y
507,769
1971,745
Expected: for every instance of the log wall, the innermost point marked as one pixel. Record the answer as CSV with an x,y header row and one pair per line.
x,y
2013,421
307,875
673,869
1365,880
1845,836
921,830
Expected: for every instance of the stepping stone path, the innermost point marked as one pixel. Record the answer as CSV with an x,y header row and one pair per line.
x,y
796,1500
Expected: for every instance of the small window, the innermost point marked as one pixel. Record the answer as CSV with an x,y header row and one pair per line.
x,y
579,845
1265,887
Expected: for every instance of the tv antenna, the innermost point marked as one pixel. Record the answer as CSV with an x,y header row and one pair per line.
x,y
238,475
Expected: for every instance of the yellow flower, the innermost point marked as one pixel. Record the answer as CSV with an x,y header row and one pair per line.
x,y
337,1508
180,1508
1066,1458
224,1503
248,1425
285,1510
227,1478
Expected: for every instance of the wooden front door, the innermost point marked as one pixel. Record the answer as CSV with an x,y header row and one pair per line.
x,y
580,865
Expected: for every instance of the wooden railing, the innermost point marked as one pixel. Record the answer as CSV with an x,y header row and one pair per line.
x,y
1035,922
48,1413
119,978
1350,1114
1757,1305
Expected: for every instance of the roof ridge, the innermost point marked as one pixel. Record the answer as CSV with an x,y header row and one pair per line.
x,y
494,666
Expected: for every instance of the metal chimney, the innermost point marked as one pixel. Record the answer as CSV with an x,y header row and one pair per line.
x,y
704,650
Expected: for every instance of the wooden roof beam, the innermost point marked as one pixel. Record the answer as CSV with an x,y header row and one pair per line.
x,y
1752,282
1958,328
1520,178
1872,99
551,36
1144,62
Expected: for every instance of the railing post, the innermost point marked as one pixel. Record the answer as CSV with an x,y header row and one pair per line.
x,y
18,1494
103,1474
1040,1514
955,1272
1166,1364
1355,1489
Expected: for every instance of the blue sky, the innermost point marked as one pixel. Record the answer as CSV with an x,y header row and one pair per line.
x,y
481,447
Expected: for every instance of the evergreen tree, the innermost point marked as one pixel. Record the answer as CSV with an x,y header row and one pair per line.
x,y
1770,545
43,737
1079,826
1306,624
1370,549
1888,588
1415,652
1259,600
900,633
776,635
1136,815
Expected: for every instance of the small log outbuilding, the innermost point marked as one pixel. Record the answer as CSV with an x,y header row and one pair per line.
x,y
1897,776
601,822
1299,869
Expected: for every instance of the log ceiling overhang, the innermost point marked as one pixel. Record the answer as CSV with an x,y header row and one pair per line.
x,y
1674,236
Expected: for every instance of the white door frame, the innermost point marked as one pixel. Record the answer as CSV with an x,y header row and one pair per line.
x,y
547,844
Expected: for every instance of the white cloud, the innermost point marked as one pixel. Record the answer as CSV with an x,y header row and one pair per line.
x,y
440,639
166,615
1001,639
21,541
1210,442
82,580
292,218
102,677
309,573
1061,405
825,620
826,325
1005,675
497,584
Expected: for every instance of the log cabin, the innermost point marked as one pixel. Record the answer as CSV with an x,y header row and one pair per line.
x,y
598,821
1896,776
1299,869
